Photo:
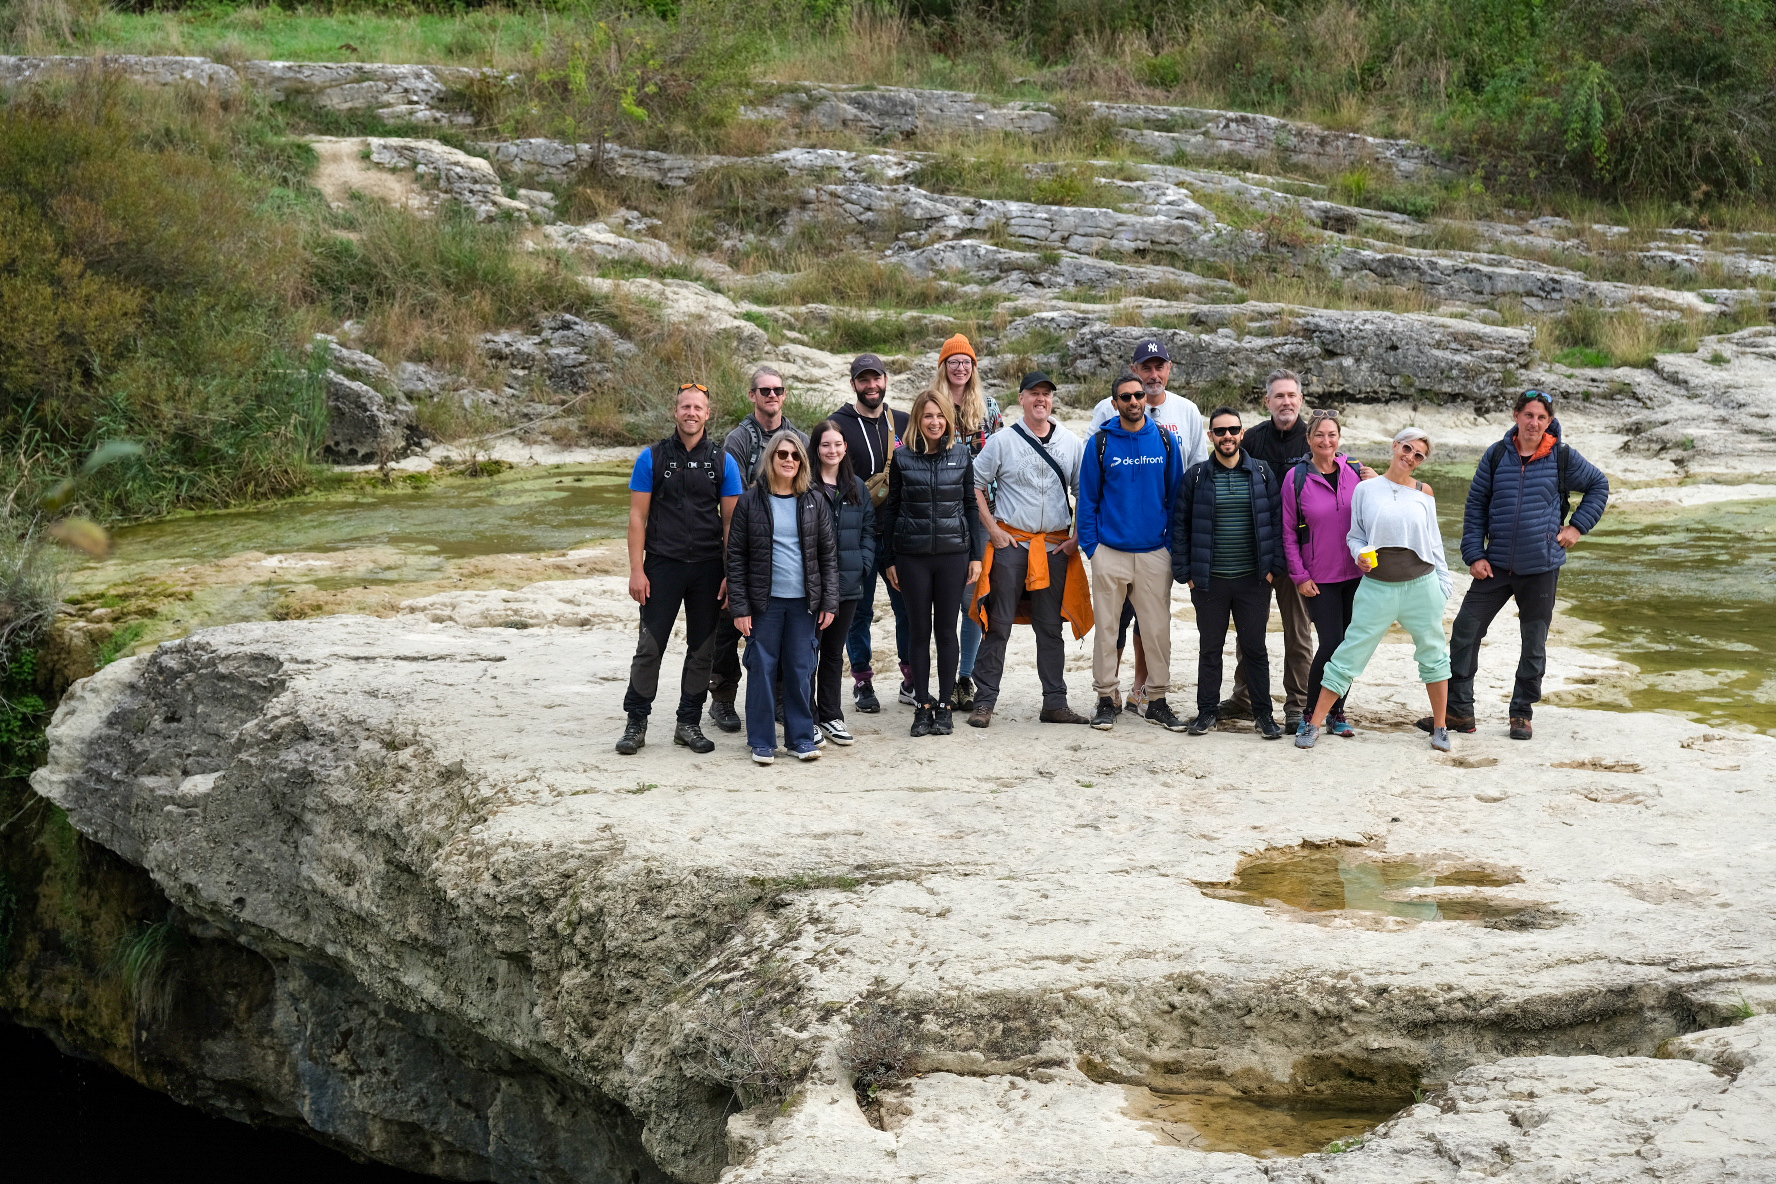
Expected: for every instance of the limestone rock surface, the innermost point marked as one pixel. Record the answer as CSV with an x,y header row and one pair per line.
x,y
363,425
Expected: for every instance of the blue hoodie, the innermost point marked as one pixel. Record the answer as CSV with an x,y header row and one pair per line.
x,y
1138,482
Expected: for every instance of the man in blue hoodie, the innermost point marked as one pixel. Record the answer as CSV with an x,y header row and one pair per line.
x,y
1515,534
1130,473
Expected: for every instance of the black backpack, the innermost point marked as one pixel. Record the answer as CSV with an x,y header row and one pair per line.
x,y
1562,459
1300,478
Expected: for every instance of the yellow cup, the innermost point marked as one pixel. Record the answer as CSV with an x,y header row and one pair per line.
x,y
1374,558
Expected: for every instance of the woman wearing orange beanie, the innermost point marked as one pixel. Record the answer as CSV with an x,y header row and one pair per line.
x,y
977,417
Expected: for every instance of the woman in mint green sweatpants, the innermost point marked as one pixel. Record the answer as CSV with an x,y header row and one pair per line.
x,y
1395,540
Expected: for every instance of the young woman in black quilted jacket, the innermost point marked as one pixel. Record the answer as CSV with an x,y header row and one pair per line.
x,y
853,514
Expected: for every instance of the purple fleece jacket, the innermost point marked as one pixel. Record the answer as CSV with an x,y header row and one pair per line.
x,y
1325,559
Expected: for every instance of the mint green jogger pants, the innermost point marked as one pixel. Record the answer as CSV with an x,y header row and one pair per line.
x,y
1417,605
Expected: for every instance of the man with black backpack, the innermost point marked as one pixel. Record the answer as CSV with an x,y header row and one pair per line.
x,y
681,496
1515,535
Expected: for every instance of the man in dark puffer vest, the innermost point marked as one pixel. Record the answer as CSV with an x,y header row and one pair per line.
x,y
1514,539
1227,544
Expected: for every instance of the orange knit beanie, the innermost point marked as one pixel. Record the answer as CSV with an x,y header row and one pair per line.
x,y
955,345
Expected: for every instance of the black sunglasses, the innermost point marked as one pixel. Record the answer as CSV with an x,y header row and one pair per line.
x,y
768,391
1232,431
1128,396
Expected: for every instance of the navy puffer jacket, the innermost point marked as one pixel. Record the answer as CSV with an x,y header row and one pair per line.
x,y
1193,522
854,521
1511,521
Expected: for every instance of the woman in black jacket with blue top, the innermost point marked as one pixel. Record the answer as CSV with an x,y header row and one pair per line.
x,y
931,546
847,501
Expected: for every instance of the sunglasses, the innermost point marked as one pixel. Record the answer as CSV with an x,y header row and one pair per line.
x,y
1129,396
1232,431
790,453
768,391
693,386
1413,452
1542,395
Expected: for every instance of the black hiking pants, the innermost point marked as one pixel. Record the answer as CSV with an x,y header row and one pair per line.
x,y
1535,612
697,588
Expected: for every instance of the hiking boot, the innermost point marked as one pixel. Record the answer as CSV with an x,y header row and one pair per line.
x,y
941,722
763,756
1440,739
1137,702
865,695
692,737
1521,728
981,716
1231,710
1291,722
635,736
1062,715
921,721
963,697
1105,717
1160,712
723,715
1305,737
1205,722
1465,726
837,732
907,696
1267,727
1339,726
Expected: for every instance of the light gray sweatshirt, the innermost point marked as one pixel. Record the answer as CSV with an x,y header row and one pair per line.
x,y
1385,514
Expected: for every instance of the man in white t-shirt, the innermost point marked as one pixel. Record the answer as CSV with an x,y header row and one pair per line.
x,y
1178,415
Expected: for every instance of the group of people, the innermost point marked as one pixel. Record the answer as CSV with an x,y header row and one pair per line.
x,y
779,537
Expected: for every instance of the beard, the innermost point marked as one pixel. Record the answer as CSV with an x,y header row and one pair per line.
x,y
873,400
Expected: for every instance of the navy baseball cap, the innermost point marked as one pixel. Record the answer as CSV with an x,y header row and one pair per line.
x,y
1035,378
864,363
1152,348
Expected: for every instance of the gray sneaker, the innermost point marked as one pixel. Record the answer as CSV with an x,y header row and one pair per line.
x,y
1306,735
1440,739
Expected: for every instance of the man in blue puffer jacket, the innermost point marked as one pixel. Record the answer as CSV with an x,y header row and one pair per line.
x,y
1514,539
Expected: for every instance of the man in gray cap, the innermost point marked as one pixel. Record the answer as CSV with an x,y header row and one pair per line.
x,y
872,430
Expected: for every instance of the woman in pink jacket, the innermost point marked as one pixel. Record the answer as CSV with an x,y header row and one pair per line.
x,y
1316,517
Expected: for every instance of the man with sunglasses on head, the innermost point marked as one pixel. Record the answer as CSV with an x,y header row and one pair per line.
x,y
746,444
1515,535
681,498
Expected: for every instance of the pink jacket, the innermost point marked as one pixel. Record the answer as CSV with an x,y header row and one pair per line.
x,y
1325,559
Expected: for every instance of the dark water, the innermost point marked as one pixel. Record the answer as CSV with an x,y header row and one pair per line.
x,y
69,1121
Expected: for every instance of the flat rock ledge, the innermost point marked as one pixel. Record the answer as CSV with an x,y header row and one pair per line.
x,y
501,951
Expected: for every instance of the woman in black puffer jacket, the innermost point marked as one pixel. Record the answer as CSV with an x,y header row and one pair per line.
x,y
847,499
931,547
783,588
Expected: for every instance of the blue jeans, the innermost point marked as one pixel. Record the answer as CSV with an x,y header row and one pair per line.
x,y
971,635
857,643
783,638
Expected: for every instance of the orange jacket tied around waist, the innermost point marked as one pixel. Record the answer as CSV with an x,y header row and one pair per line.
x,y
1076,606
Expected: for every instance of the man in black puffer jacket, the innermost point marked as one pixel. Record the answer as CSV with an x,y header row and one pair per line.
x,y
1227,544
1514,539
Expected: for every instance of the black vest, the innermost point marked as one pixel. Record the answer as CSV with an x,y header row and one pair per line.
x,y
684,518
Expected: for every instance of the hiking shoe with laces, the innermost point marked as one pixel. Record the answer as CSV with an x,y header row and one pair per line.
x,y
921,721
1521,728
1160,712
864,693
1307,735
942,724
1267,727
981,716
1205,722
807,754
1464,726
1291,722
963,697
1137,702
1231,710
763,756
723,715
837,732
1062,715
635,736
907,696
1339,726
692,737
1104,718
1440,739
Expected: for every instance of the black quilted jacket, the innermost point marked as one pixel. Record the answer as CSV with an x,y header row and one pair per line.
x,y
749,553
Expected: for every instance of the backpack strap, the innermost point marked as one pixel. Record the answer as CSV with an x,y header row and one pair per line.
x,y
1103,441
1300,476
1563,457
1048,460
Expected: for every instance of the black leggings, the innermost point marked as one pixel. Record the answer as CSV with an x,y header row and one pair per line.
x,y
931,586
831,671
1330,612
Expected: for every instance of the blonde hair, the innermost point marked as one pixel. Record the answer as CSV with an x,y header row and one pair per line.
x,y
1407,435
916,424
804,478
972,411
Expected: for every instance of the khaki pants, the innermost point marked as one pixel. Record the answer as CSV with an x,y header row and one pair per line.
x,y
1146,579
1298,653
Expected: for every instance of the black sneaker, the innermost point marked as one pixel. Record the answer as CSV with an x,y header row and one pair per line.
x,y
963,698
723,715
1104,718
1267,727
906,694
1204,723
692,737
1160,712
921,721
1231,710
635,736
865,695
942,724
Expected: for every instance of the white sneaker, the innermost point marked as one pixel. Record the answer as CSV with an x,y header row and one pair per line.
x,y
837,731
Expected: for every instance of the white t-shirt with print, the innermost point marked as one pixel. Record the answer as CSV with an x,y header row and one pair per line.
x,y
1177,415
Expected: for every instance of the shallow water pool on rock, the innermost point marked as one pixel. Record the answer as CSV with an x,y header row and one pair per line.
x,y
1267,1127
1333,879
